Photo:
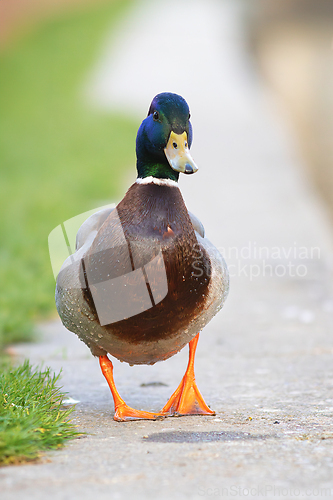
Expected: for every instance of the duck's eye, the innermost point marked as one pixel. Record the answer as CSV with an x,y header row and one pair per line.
x,y
155,115
185,144
175,145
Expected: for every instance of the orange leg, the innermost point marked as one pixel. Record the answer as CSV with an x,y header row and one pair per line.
x,y
123,412
187,400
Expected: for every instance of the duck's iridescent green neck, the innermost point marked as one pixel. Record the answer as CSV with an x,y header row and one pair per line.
x,y
153,169
152,163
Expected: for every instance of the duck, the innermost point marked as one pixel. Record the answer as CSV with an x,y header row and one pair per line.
x,y
144,280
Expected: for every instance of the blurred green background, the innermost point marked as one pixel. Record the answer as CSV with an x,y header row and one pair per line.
x,y
59,157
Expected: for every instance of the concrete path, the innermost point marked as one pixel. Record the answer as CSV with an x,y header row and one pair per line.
x,y
265,362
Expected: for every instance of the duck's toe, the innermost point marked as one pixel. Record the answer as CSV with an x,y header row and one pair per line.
x,y
124,413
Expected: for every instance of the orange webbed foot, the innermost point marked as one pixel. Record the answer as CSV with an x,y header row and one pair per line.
x,y
123,412
187,399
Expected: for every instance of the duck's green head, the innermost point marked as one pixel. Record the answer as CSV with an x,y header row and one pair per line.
x,y
164,139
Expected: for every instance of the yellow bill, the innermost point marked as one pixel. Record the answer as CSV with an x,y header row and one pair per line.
x,y
178,154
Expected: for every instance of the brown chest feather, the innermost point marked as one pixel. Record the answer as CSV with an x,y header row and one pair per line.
x,y
146,276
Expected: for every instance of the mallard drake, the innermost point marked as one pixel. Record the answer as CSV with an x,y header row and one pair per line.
x,y
144,280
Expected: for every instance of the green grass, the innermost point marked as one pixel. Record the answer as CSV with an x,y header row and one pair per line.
x,y
58,158
31,417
